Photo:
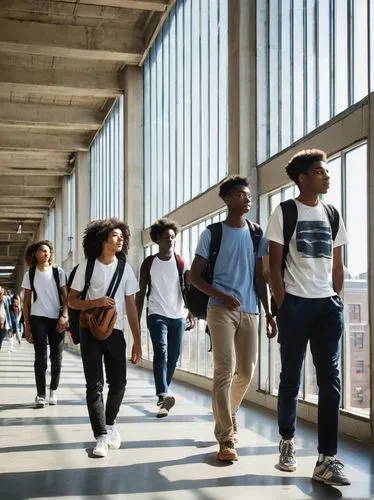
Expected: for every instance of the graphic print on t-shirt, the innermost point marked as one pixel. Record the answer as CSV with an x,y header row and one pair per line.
x,y
313,239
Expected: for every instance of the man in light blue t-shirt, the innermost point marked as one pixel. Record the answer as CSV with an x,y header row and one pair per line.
x,y
232,309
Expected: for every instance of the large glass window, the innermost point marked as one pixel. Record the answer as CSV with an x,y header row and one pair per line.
x,y
107,167
185,106
348,173
314,58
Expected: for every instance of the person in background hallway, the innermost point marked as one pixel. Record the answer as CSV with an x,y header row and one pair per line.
x,y
105,243
45,318
232,315
160,281
15,316
5,320
306,288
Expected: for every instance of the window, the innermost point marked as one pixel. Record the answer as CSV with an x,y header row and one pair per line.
x,y
185,106
312,63
359,394
354,313
360,367
358,340
107,167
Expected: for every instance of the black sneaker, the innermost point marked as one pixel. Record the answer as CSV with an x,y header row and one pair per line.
x,y
160,400
166,405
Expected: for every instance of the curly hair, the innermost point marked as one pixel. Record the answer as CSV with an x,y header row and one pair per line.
x,y
30,255
162,225
98,231
303,160
230,183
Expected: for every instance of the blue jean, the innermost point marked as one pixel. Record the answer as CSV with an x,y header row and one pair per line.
x,y
321,322
166,334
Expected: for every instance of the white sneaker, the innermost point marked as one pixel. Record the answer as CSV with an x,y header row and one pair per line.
x,y
113,438
40,402
101,448
52,398
330,471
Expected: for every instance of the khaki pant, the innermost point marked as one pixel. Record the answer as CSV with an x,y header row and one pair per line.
x,y
234,343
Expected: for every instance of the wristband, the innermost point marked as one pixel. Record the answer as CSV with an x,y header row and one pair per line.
x,y
63,316
269,316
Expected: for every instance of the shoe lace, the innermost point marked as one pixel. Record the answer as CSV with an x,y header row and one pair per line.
x,y
229,444
287,449
336,466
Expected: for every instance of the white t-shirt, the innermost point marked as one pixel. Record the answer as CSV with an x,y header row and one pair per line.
x,y
100,281
166,296
47,303
308,271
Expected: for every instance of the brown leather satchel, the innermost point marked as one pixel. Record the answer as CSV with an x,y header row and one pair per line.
x,y
101,320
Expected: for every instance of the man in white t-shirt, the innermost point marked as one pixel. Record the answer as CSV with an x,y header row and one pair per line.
x,y
106,242
306,287
162,275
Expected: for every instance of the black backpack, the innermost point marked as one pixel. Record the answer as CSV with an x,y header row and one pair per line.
x,y
75,313
56,277
197,301
289,213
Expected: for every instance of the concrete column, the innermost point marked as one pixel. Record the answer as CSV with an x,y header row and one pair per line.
x,y
65,246
242,153
371,253
40,232
133,160
82,201
58,259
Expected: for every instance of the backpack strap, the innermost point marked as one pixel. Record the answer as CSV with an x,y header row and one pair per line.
x,y
32,270
147,263
117,277
215,243
56,277
334,218
180,266
71,277
289,212
87,277
256,234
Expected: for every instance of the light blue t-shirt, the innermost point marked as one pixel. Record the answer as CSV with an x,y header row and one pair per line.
x,y
234,268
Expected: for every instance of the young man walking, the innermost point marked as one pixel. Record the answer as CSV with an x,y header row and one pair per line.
x,y
232,315
161,278
105,244
306,289
5,319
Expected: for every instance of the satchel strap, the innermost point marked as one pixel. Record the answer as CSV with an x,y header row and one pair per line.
x,y
116,280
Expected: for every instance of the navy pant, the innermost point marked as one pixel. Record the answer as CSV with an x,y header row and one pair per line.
x,y
166,334
44,329
3,334
321,322
113,351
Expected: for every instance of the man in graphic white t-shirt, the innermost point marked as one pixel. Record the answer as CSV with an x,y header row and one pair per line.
x,y
161,280
105,245
306,286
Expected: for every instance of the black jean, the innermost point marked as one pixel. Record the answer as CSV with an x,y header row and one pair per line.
x,y
321,322
113,350
43,329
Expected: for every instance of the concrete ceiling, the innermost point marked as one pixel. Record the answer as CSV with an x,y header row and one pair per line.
x,y
60,74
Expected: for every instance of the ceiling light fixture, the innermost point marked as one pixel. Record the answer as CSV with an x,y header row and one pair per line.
x,y
19,229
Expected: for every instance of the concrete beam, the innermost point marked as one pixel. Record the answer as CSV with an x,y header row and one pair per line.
x,y
155,5
36,172
24,195
59,82
29,183
34,141
40,115
78,42
21,201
